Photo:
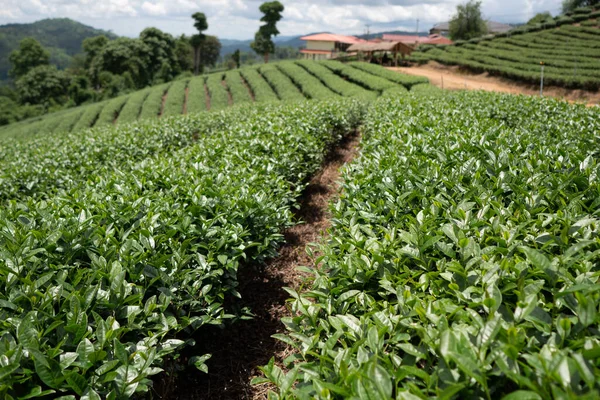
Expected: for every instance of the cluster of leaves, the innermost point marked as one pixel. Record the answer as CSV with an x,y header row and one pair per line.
x,y
110,112
463,259
260,88
571,56
114,241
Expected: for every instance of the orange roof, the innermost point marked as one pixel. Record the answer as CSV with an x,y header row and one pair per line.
x,y
330,37
411,39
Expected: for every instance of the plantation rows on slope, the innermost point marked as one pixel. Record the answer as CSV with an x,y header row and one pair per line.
x,y
117,244
463,260
286,81
571,56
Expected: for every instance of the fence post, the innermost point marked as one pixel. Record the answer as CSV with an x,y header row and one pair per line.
x,y
442,82
542,81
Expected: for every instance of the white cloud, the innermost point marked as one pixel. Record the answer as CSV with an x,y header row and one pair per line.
x,y
239,18
154,8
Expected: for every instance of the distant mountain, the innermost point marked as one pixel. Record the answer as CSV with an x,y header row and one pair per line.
x,y
61,36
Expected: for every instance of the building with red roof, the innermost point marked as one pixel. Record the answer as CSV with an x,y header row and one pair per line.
x,y
323,46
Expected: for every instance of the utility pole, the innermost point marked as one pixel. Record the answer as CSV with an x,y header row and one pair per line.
x,y
417,32
368,31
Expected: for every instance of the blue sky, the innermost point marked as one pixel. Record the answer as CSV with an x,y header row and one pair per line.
x,y
236,19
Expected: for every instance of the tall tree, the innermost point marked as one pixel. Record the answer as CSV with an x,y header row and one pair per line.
x,y
124,55
29,55
263,43
468,21
210,50
570,5
236,58
196,41
92,47
162,60
184,53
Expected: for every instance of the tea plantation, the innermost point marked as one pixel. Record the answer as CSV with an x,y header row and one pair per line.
x,y
462,262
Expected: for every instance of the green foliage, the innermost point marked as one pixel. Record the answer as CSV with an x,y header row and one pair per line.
x,y
124,55
334,82
175,98
408,81
133,108
360,77
236,58
571,56
260,88
219,98
28,56
42,85
90,116
310,86
162,59
197,95
468,21
110,112
210,51
92,48
239,92
101,285
463,258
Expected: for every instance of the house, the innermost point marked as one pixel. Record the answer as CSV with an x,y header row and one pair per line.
x,y
492,26
323,46
414,40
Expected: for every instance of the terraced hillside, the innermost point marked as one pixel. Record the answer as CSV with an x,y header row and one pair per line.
x,y
285,81
570,53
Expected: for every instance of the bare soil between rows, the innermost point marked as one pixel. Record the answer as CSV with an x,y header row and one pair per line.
x,y
238,350
457,78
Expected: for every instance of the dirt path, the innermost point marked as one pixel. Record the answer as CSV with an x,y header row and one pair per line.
x,y
229,96
162,104
239,349
185,100
453,78
206,97
247,87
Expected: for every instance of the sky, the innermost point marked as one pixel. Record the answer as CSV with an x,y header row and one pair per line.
x,y
236,19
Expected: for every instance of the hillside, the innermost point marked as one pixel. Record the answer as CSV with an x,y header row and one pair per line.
x,y
283,81
61,36
569,48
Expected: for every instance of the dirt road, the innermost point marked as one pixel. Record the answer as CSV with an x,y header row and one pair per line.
x,y
453,78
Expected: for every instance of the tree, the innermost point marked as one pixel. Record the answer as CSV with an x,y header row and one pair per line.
x,y
184,53
92,47
570,5
124,55
540,18
162,60
236,58
210,50
196,41
468,21
29,55
43,84
263,43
